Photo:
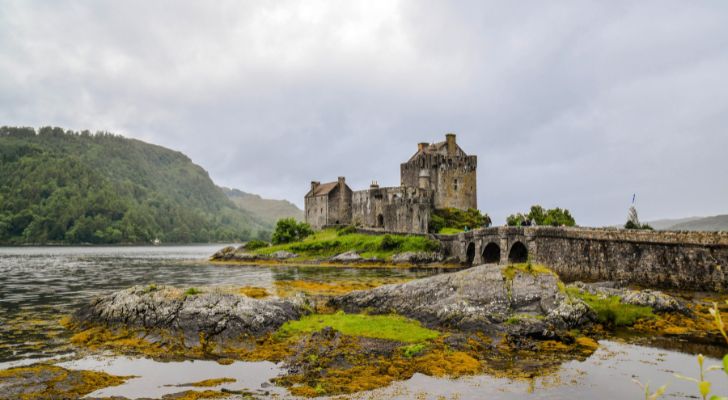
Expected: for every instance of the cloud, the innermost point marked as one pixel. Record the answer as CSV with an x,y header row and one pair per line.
x,y
571,104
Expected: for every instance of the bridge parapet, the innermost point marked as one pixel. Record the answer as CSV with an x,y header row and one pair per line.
x,y
679,259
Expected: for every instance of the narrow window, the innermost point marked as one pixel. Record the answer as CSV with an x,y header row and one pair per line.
x,y
456,184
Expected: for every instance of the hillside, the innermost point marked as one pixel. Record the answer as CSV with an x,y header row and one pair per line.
x,y
714,223
268,210
666,224
68,187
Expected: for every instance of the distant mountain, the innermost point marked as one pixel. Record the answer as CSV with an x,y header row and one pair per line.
x,y
714,223
64,187
270,211
665,224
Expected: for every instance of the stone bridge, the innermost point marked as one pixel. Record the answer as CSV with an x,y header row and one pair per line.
x,y
679,260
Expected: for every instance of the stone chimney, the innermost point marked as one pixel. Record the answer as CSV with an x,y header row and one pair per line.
x,y
374,185
422,146
314,185
451,145
342,182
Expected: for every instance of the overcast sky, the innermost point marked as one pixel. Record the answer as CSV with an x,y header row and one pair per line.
x,y
572,104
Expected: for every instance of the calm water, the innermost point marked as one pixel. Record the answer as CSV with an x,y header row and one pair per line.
x,y
39,285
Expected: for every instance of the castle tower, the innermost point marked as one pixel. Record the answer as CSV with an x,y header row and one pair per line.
x,y
446,170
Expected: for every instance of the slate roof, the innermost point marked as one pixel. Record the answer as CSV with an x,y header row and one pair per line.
x,y
323,189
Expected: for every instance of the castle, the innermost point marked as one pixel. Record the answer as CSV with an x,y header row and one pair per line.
x,y
438,175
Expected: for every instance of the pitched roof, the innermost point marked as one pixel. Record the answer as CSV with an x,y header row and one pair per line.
x,y
323,189
437,148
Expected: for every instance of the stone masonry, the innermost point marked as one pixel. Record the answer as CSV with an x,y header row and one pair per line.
x,y
438,175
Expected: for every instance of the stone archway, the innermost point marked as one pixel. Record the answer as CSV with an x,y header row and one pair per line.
x,y
470,254
380,221
491,253
518,253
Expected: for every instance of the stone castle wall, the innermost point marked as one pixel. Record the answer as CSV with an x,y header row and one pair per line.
x,y
680,260
451,178
397,209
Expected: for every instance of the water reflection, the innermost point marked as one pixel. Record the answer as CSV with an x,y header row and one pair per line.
x,y
40,284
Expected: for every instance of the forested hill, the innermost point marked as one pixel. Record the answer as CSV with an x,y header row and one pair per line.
x,y
60,186
269,210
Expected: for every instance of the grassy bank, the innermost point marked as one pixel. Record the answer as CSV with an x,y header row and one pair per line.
x,y
329,242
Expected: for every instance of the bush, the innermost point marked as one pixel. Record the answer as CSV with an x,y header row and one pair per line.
x,y
631,225
454,218
255,244
390,242
289,230
540,216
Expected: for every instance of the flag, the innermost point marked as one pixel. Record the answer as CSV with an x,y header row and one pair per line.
x,y
633,197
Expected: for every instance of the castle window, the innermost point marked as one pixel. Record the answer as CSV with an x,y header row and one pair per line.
x,y
456,184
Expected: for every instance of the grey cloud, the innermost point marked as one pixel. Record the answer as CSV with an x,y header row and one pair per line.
x,y
573,104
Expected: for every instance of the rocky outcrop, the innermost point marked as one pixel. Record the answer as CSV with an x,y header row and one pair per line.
x,y
216,314
481,298
654,299
230,253
349,256
419,257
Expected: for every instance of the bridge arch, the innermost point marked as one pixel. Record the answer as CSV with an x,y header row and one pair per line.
x,y
491,253
470,254
518,253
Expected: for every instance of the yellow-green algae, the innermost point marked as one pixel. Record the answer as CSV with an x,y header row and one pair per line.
x,y
325,375
389,327
44,381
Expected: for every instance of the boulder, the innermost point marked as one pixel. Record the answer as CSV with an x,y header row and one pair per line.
x,y
349,256
654,299
477,299
419,257
225,253
217,314
282,255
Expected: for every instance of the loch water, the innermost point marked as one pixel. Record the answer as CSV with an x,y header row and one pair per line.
x,y
39,285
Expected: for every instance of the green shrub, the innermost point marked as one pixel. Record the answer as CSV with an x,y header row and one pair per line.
x,y
255,244
413,350
289,230
453,218
540,216
192,292
390,242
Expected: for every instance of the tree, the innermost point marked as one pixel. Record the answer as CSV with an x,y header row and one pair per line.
x,y
540,216
289,230
633,221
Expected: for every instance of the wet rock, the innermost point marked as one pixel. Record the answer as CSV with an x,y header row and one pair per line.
x,y
419,257
44,381
349,256
191,312
477,299
225,253
654,299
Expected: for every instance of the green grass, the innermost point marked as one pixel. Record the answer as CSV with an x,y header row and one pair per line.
x,y
192,292
450,231
517,318
390,327
412,350
610,310
328,243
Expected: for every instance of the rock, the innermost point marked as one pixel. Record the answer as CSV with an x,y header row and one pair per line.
x,y
654,299
349,256
283,255
477,299
224,254
218,315
419,257
44,381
